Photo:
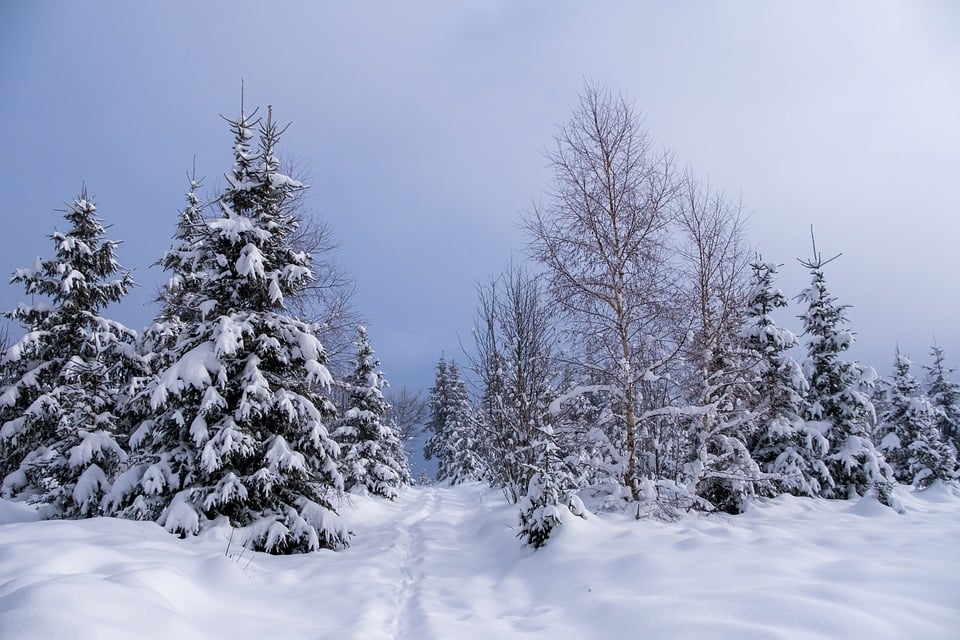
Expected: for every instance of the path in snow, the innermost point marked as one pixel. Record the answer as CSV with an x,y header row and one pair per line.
x,y
441,561
411,545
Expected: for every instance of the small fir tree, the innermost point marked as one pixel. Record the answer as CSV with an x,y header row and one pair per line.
x,y
373,457
179,313
944,395
57,414
549,491
844,412
581,415
907,431
723,470
789,450
179,297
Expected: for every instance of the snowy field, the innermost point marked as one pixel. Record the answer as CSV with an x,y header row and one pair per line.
x,y
445,563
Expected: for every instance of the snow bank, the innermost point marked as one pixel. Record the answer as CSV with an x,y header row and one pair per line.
x,y
445,562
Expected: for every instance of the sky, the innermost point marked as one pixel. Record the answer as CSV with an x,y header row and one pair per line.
x,y
421,128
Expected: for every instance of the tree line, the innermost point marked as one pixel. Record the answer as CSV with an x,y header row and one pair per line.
x,y
637,358
635,362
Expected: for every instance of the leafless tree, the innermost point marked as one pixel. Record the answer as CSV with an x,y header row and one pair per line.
x,y
713,259
516,338
328,299
408,410
602,235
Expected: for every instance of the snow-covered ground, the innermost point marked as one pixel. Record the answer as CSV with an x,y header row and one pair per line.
x,y
445,563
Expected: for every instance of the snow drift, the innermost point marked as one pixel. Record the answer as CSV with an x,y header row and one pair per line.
x,y
445,563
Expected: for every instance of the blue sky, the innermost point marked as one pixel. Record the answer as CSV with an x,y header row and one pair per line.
x,y
421,129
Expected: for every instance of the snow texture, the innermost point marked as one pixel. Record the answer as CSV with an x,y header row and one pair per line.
x,y
443,562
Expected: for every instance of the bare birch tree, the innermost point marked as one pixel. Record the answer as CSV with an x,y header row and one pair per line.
x,y
602,236
516,341
328,298
713,258
408,411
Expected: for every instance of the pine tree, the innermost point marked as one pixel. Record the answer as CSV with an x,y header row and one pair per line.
x,y
836,401
944,395
722,468
453,442
237,421
907,431
179,299
179,296
138,494
549,491
786,448
57,414
372,454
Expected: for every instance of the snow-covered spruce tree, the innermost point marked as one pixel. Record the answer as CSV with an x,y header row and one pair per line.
x,y
178,298
721,468
907,432
453,441
180,294
549,491
372,457
238,425
836,402
944,395
57,414
787,449
133,495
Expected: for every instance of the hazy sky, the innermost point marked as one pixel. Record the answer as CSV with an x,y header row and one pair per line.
x,y
421,128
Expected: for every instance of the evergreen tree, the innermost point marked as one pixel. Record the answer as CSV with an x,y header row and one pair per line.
x,y
453,442
836,402
180,295
179,299
237,422
549,491
944,395
722,469
139,494
907,431
787,449
57,414
372,453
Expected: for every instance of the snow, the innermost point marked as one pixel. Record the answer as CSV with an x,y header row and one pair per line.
x,y
444,562
250,262
192,370
92,445
232,226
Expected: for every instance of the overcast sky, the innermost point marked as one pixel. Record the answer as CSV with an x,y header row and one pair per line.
x,y
421,128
